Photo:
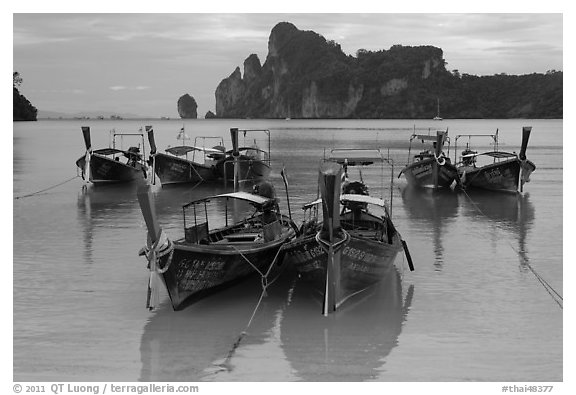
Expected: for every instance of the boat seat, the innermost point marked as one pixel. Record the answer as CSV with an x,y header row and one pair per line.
x,y
242,237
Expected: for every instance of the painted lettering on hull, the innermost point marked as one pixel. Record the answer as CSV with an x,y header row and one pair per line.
x,y
422,171
195,274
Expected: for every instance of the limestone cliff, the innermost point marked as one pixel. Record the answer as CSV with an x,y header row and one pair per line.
x,y
187,107
306,76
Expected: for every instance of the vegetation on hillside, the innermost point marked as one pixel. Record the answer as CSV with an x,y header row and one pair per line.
x,y
23,110
401,82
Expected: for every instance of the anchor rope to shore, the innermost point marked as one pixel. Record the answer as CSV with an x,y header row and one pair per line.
x,y
46,189
265,285
549,288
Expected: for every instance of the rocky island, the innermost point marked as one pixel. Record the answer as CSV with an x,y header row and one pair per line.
x,y
306,76
187,107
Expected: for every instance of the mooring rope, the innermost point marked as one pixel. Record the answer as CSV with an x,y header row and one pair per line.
x,y
46,189
549,288
265,285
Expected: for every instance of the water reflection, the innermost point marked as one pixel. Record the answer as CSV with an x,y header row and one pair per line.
x,y
350,345
431,211
104,208
511,212
198,343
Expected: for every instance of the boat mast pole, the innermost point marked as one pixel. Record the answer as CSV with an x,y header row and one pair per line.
x,y
152,142
235,155
146,201
330,179
88,155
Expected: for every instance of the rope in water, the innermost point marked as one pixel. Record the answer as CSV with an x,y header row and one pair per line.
x,y
549,288
46,189
265,285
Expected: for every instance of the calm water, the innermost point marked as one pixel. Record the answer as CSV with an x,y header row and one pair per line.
x,y
472,311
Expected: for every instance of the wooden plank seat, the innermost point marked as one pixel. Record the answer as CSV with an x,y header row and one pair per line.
x,y
242,237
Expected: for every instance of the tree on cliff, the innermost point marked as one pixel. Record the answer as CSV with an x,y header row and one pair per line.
x,y
23,110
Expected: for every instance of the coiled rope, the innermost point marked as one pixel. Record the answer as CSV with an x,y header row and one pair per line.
x,y
46,189
549,288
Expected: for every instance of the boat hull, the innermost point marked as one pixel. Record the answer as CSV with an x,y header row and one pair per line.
x,y
503,176
105,170
250,169
427,173
196,271
173,170
364,263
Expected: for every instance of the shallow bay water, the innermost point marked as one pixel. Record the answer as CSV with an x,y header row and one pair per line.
x,y
473,310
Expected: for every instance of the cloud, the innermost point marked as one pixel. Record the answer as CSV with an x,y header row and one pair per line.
x,y
129,88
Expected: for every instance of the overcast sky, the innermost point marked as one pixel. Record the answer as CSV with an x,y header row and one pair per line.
x,y
142,63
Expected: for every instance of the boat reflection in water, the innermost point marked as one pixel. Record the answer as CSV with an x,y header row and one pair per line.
x,y
103,208
198,343
350,344
431,211
513,213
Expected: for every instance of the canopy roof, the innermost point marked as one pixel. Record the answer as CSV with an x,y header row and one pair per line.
x,y
245,196
241,149
354,156
424,137
114,151
184,149
493,154
353,197
350,197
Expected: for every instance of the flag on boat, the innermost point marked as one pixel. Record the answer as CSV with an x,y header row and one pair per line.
x,y
284,177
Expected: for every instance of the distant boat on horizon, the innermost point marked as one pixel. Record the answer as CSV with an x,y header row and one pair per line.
x,y
437,117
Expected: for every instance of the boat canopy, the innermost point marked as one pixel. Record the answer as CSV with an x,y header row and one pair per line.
x,y
113,151
353,197
349,197
354,156
493,154
246,196
184,149
424,137
242,149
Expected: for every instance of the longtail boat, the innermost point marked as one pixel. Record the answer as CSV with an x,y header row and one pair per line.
x,y
207,259
184,163
352,248
501,171
113,164
430,168
247,162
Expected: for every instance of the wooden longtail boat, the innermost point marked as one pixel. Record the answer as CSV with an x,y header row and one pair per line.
x,y
246,163
503,172
112,165
352,248
206,260
184,163
430,169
